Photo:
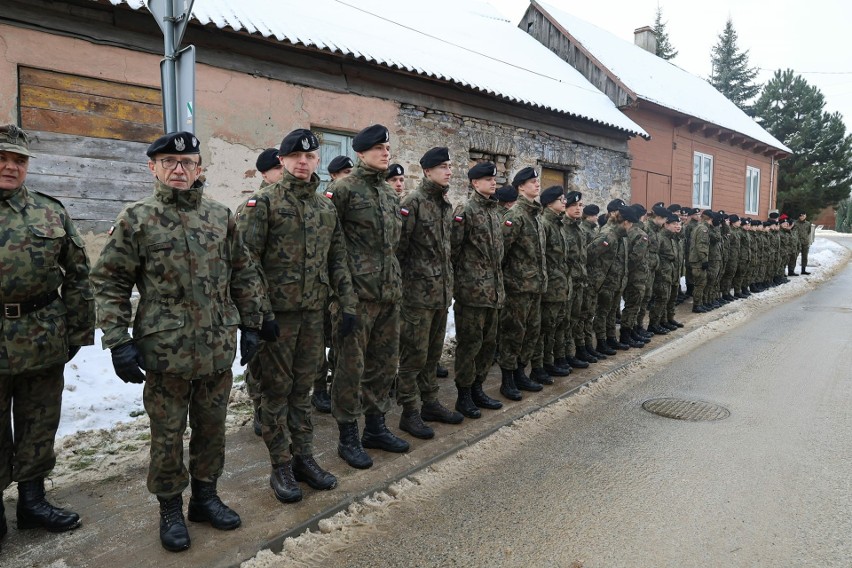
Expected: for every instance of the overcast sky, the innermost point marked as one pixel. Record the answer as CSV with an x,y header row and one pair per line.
x,y
809,36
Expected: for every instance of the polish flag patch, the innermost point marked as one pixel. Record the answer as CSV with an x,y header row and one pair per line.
x,y
111,230
604,243
458,218
329,194
508,223
251,203
404,212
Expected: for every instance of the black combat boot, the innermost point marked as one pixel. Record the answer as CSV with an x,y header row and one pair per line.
x,y
307,470
643,332
434,411
205,506
668,326
583,356
284,484
603,347
35,512
411,422
465,404
638,337
556,370
481,399
525,383
507,385
541,376
628,340
593,351
576,363
173,534
349,447
616,344
657,329
441,372
321,400
378,437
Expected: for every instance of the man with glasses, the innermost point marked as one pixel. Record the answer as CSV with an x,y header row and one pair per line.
x,y
196,284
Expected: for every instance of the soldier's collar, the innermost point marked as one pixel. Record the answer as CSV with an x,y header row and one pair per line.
x,y
17,199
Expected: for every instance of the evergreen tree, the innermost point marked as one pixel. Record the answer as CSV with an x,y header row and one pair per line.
x,y
730,72
819,173
665,50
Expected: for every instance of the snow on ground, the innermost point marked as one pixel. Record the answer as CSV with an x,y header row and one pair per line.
x,y
95,398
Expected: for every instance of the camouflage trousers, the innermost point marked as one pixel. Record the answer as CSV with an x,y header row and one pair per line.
x,y
714,275
672,305
287,369
551,343
167,400
804,252
587,313
728,275
520,325
699,284
634,293
574,332
421,341
741,276
476,341
660,302
791,261
647,298
609,297
366,362
33,400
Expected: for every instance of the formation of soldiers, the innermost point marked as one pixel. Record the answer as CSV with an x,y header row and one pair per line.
x,y
537,280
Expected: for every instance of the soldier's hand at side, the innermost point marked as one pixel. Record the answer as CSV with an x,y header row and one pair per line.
x,y
72,351
348,324
127,360
249,344
270,330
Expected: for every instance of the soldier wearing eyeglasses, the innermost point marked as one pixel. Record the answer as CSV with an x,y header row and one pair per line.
x,y
46,313
196,283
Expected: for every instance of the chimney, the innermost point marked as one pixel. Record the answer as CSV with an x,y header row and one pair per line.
x,y
646,39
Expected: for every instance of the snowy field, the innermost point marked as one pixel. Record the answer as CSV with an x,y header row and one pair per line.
x,y
96,399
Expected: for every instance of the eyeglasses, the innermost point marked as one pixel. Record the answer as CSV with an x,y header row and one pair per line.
x,y
171,163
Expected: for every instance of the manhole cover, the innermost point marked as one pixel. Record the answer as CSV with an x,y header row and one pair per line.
x,y
680,409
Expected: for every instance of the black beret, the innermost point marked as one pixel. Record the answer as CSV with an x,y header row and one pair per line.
x,y
660,211
640,209
756,223
802,213
773,215
629,213
573,197
769,223
369,137
267,160
658,203
615,205
733,218
709,213
394,170
694,211
340,163
551,194
590,210
481,170
602,219
506,194
175,143
300,140
435,157
525,174
674,208
672,218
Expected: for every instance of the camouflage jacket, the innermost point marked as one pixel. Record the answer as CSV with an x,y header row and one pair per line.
x,y
741,237
803,231
195,277
715,235
606,256
368,209
556,255
589,230
477,253
524,268
788,243
638,245
40,253
294,237
654,233
424,247
575,241
732,247
668,271
698,251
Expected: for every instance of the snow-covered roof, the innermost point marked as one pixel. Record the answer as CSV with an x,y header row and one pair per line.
x,y
465,42
658,81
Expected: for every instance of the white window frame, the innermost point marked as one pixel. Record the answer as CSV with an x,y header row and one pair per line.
x,y
752,190
699,160
332,144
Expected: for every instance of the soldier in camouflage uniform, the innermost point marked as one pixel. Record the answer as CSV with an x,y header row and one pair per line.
x,y
638,250
794,248
653,225
668,272
698,260
506,196
802,227
367,361
711,291
48,313
525,278
477,251
554,302
424,257
589,228
739,254
395,176
196,283
294,237
789,246
576,355
732,258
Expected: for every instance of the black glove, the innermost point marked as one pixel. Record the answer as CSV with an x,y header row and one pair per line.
x,y
348,324
127,361
72,350
249,344
270,331
705,265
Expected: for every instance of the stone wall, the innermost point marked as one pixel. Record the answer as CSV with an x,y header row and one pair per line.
x,y
599,173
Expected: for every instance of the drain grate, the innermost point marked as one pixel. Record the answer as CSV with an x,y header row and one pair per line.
x,y
680,409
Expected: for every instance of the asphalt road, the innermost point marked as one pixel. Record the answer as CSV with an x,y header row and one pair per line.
x,y
597,481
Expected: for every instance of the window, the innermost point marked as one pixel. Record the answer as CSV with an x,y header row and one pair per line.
x,y
752,194
702,180
332,144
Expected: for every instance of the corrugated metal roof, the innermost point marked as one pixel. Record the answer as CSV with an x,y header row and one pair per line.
x,y
659,81
465,42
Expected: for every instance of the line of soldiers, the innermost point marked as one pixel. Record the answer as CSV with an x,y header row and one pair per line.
x,y
357,267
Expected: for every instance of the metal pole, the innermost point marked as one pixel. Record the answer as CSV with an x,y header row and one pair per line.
x,y
169,88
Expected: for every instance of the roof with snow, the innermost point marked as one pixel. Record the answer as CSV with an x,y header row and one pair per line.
x,y
465,42
656,80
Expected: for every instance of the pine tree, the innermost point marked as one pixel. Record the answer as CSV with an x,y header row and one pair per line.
x,y
665,50
819,172
730,73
